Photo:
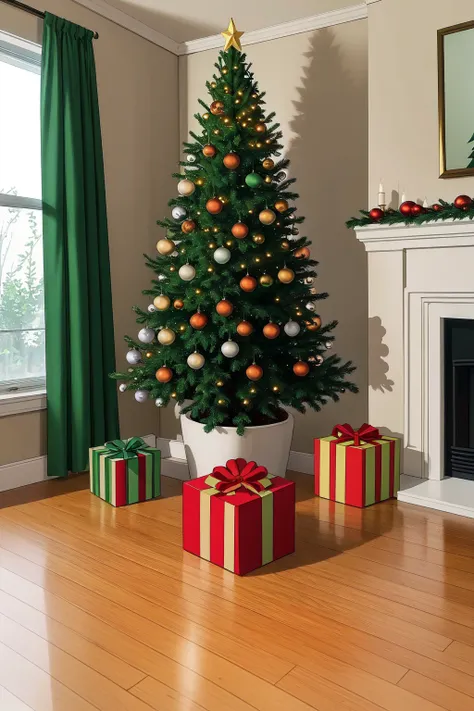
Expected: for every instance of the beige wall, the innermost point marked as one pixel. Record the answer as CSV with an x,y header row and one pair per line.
x,y
403,96
317,84
138,94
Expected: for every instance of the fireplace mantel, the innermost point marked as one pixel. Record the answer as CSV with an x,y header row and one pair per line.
x,y
419,275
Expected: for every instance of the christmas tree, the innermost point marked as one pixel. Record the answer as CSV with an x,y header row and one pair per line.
x,y
233,323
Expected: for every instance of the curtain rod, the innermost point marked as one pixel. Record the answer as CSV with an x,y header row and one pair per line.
x,y
32,10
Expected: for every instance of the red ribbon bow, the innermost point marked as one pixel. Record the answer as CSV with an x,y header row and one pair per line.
x,y
346,432
238,473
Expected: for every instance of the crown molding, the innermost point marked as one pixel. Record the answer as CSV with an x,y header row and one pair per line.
x,y
129,23
284,29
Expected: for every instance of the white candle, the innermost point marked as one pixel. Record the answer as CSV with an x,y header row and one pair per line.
x,y
425,202
381,195
403,198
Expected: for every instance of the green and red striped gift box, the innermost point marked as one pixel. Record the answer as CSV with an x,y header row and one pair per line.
x,y
358,468
121,481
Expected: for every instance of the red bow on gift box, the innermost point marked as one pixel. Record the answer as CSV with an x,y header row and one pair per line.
x,y
346,432
238,473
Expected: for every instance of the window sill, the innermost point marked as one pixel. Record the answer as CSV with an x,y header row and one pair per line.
x,y
18,403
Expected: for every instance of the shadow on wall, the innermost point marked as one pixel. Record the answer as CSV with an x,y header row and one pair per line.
x,y
329,158
378,350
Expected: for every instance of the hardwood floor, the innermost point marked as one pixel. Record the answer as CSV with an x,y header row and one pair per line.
x,y
101,609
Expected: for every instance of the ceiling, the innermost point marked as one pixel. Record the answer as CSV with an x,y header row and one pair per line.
x,y
186,20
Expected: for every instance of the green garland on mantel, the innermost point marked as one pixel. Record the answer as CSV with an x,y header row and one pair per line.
x,y
443,211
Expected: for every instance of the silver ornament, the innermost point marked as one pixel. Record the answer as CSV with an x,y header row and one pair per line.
x,y
133,356
146,335
178,213
196,361
311,306
222,255
187,272
230,349
292,328
141,395
159,402
329,344
122,387
151,308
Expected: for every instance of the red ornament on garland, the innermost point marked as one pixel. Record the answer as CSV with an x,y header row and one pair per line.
x,y
416,210
198,321
376,214
406,207
463,201
437,207
214,206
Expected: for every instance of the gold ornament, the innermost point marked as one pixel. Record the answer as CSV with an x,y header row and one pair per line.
x,y
213,84
258,238
161,302
166,336
232,38
165,246
260,127
281,205
268,179
268,164
285,244
286,275
178,304
206,116
266,280
267,217
172,268
149,354
220,383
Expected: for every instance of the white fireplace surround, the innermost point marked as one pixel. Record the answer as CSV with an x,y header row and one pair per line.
x,y
418,276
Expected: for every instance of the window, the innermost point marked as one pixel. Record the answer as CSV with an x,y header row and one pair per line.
x,y
22,356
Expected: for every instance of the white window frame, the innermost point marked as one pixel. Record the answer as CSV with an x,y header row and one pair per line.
x,y
30,393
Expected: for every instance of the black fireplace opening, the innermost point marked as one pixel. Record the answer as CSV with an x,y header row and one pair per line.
x,y
459,397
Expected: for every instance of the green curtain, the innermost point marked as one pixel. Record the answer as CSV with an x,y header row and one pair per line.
x,y
81,399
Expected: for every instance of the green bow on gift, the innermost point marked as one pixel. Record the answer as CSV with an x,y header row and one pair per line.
x,y
125,449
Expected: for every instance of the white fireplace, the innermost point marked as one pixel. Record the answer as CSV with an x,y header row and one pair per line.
x,y
419,276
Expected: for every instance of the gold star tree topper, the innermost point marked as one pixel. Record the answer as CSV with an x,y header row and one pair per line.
x,y
232,36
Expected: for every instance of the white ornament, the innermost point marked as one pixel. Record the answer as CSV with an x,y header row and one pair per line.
x,y
309,280
122,387
178,213
159,402
191,158
133,356
161,277
166,336
282,175
319,360
230,349
187,272
141,395
151,308
146,335
222,255
311,306
292,328
329,345
186,187
196,361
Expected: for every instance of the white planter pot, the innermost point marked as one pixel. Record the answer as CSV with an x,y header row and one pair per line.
x,y
267,445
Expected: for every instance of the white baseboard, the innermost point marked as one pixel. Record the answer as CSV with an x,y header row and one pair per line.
x,y
301,462
452,495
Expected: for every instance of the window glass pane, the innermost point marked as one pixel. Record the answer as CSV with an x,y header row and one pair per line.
x,y
20,149
21,295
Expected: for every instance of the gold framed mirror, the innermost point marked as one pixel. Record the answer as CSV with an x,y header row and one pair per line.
x,y
456,100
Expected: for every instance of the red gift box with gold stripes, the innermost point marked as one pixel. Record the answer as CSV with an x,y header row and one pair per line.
x,y
239,517
356,467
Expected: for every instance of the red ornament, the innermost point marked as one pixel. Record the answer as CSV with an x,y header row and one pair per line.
x,y
254,372
406,207
239,230
271,331
217,108
188,226
244,328
224,308
301,369
209,150
417,209
198,321
248,283
302,253
462,201
437,207
164,375
214,206
231,161
376,214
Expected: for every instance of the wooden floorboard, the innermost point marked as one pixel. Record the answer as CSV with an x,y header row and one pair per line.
x,y
101,609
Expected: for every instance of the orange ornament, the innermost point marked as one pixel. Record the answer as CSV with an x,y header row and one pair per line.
x,y
271,331
281,205
224,308
244,328
164,375
301,369
254,372
178,304
217,108
248,283
188,226
240,230
231,161
209,150
260,127
316,321
302,253
198,321
214,206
